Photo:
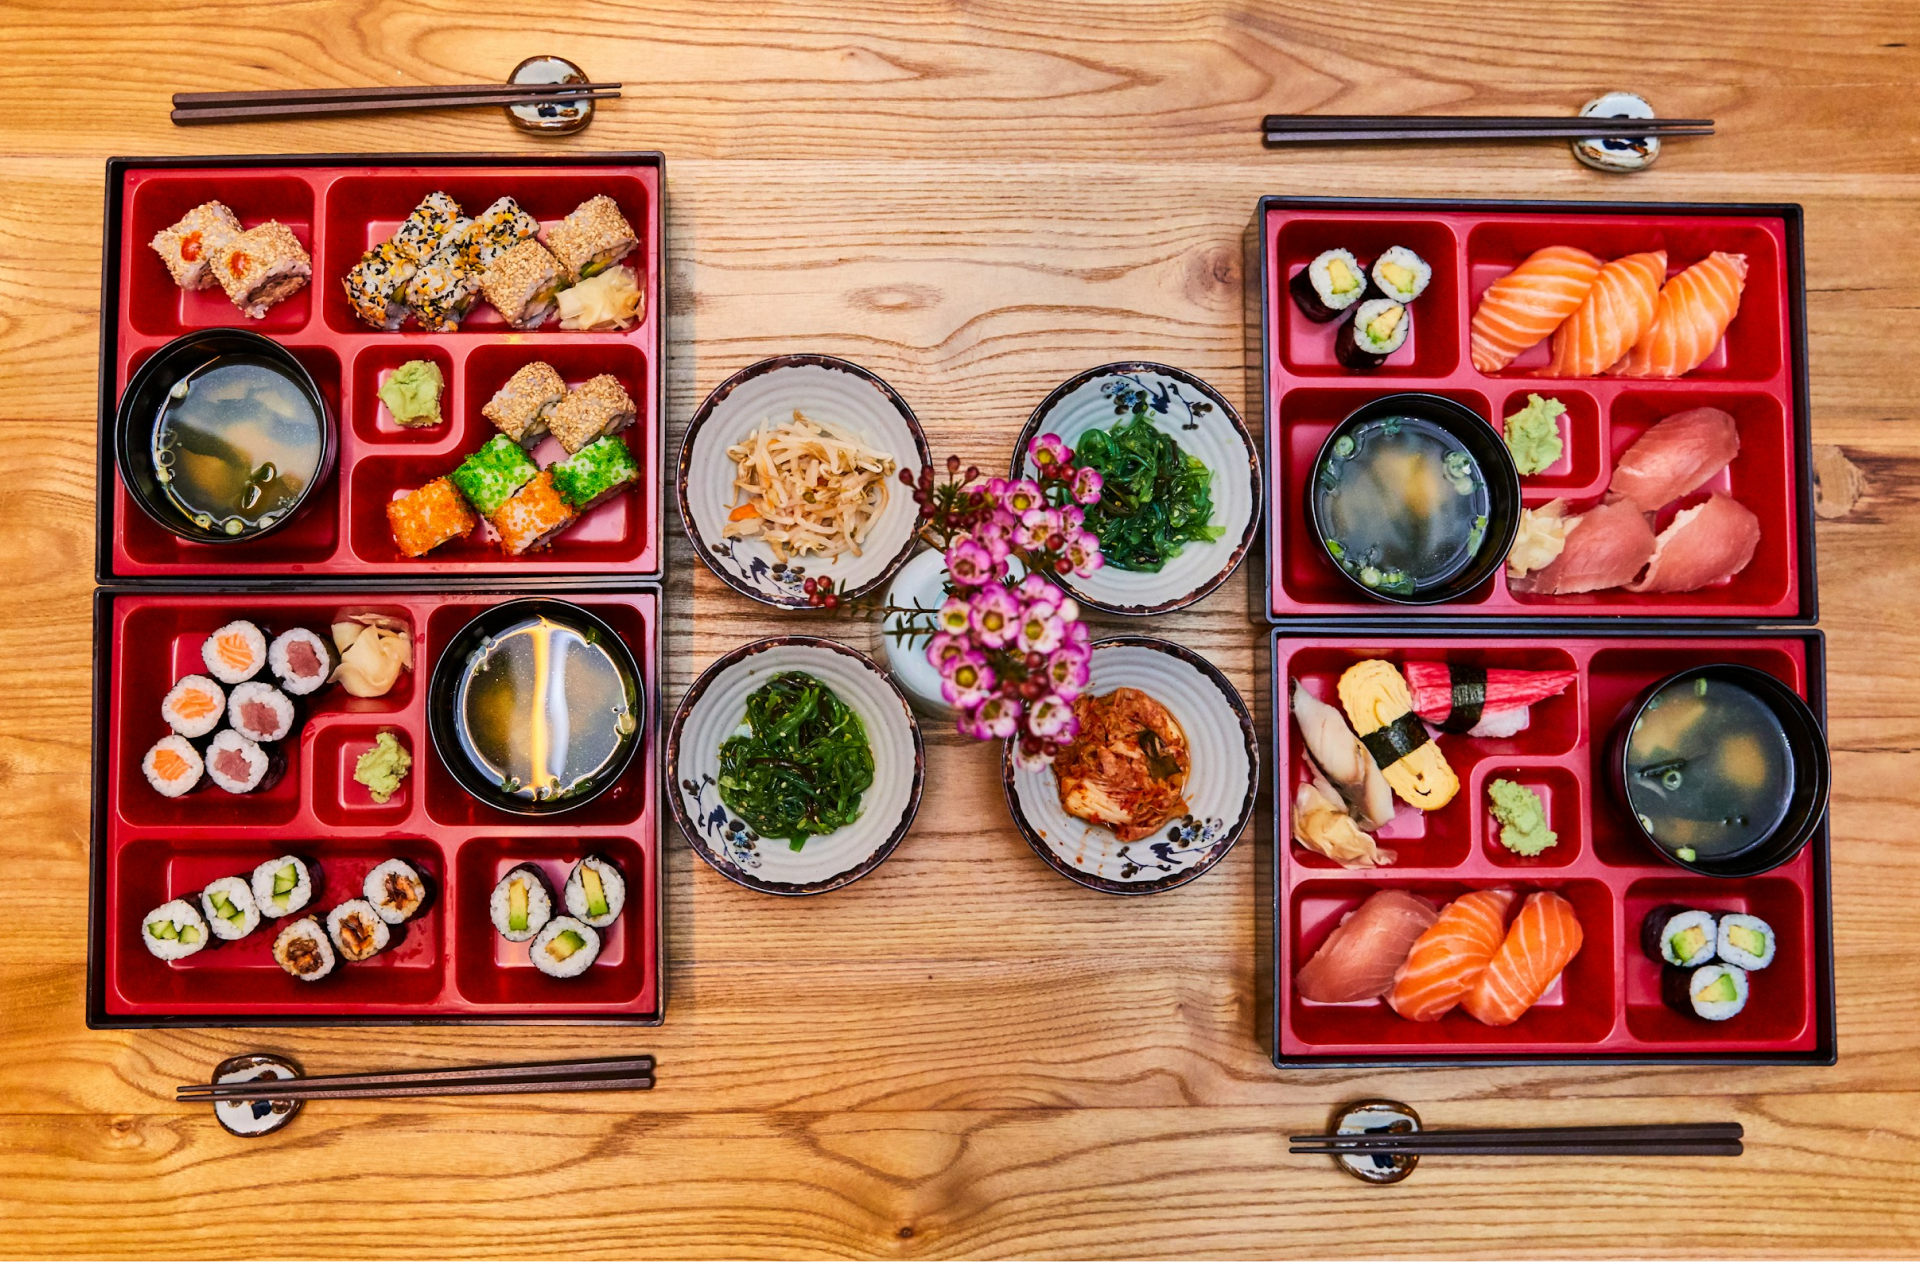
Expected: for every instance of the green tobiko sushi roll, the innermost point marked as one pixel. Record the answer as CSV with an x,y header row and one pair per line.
x,y
596,472
490,476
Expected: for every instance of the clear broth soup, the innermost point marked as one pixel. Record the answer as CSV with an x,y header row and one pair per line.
x,y
1403,503
235,444
1709,771
543,709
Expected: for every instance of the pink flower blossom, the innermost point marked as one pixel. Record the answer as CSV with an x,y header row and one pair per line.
x,y
1079,634
996,532
970,684
969,562
1067,669
945,647
1023,496
1049,451
996,615
1086,485
1034,587
1041,628
1049,716
1035,762
996,718
955,616
1083,553
967,656
1071,519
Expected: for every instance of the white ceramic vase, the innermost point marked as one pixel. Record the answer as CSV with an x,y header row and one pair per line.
x,y
921,581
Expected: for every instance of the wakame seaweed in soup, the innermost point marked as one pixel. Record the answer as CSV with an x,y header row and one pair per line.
x,y
801,765
1709,771
236,443
1403,504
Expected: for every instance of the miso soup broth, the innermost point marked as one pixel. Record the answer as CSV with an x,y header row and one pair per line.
x,y
1708,769
236,443
1403,504
543,710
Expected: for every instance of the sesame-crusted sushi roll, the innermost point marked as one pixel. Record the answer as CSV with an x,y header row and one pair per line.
x,y
357,931
174,930
239,765
260,712
303,951
522,284
519,409
282,886
173,766
194,706
235,653
262,266
534,515
426,227
565,948
396,890
490,476
593,410
302,660
443,290
591,239
595,473
521,904
596,892
377,286
229,908
422,520
499,228
188,247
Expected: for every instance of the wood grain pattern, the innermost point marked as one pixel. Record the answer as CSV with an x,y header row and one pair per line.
x,y
962,1055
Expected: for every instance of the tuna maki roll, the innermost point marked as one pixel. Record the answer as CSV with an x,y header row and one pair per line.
x,y
173,766
597,472
235,653
595,892
237,764
1715,992
490,476
1398,274
591,239
173,931
1379,328
302,660
1745,941
521,905
357,931
282,886
194,706
1678,935
565,948
229,908
396,890
1327,288
260,712
303,951
519,408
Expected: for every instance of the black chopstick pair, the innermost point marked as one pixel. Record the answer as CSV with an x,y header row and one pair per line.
x,y
1684,1139
1295,129
233,107
617,1073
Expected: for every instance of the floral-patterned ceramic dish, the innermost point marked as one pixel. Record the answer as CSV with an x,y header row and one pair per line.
x,y
1204,424
715,708
823,389
1220,784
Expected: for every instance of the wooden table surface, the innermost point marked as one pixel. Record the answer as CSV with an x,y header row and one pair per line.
x,y
964,1054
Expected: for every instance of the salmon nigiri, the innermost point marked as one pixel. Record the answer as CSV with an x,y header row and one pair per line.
x,y
1692,315
1521,308
1611,318
1448,957
1543,941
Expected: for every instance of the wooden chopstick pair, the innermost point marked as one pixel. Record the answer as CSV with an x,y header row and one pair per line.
x,y
617,1073
1294,129
1685,1139
233,107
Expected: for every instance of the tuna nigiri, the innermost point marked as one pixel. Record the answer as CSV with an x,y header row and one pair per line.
x,y
1608,549
1543,940
1361,955
1676,456
1527,304
1611,318
1449,956
1692,315
1702,545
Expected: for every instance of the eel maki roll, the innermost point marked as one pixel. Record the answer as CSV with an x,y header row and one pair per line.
x,y
1680,936
1379,328
194,706
1398,274
1327,288
357,931
396,890
595,891
282,886
1745,941
229,908
173,766
235,653
1715,992
565,948
173,931
302,660
239,765
260,712
303,951
521,905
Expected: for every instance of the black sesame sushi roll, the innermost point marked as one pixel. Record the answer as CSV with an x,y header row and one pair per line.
x,y
1398,274
302,660
521,904
1326,288
1745,941
1680,936
1379,328
260,712
1714,992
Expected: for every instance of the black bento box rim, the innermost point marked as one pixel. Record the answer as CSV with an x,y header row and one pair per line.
x,y
98,1018
1255,271
1825,1050
116,170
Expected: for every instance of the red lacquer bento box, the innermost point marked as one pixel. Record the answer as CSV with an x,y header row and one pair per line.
x,y
338,206
1606,1006
448,964
1757,373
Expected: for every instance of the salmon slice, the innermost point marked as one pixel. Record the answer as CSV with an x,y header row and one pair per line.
x,y
1448,957
1691,317
234,651
1361,955
169,765
194,704
1611,318
1702,545
1676,456
1543,941
1527,304
1606,546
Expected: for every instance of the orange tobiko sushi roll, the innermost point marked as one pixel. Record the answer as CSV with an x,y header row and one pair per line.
x,y
1611,318
1522,308
1691,317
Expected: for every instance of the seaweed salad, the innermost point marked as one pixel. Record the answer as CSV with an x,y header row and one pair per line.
x,y
1154,498
800,768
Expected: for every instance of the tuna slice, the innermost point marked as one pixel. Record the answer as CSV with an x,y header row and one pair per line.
x,y
1364,951
1676,456
1702,545
1608,549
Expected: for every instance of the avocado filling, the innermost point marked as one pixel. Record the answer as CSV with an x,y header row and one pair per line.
x,y
1752,941
1381,327
1687,943
596,892
517,906
1401,278
1341,277
1719,990
565,944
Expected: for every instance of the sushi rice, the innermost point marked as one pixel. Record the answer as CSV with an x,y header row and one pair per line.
x,y
229,908
565,948
301,660
396,891
235,763
527,885
173,766
173,931
595,892
282,886
235,653
260,712
303,951
357,931
194,706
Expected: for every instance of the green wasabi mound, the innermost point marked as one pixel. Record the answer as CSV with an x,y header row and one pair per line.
x,y
383,767
1522,817
1533,435
412,393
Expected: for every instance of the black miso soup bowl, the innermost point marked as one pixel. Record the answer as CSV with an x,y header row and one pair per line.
x,y
139,412
450,671
1488,449
1806,749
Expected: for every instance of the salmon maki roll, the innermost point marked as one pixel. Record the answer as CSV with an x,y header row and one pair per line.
x,y
1448,958
1543,941
1611,318
1691,317
1524,307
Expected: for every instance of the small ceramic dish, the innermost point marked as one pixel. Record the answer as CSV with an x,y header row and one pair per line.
x,y
715,708
1204,424
1220,785
823,389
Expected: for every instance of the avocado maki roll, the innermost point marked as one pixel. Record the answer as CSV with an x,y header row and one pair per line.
x,y
173,931
282,886
595,891
229,908
397,891
565,948
521,905
1716,992
1398,274
303,951
1326,288
1379,328
1745,941
1679,936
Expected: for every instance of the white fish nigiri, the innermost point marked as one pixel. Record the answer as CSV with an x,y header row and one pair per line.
x,y
1343,759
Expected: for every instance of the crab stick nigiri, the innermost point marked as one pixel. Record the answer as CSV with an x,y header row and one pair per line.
x,y
1692,315
1523,307
1611,318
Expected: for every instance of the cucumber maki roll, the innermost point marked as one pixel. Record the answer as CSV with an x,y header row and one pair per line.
x,y
595,473
282,886
595,892
229,908
1745,941
490,476
357,931
1716,992
397,891
521,905
1679,936
1327,288
173,931
1379,328
565,948
303,951
1398,274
